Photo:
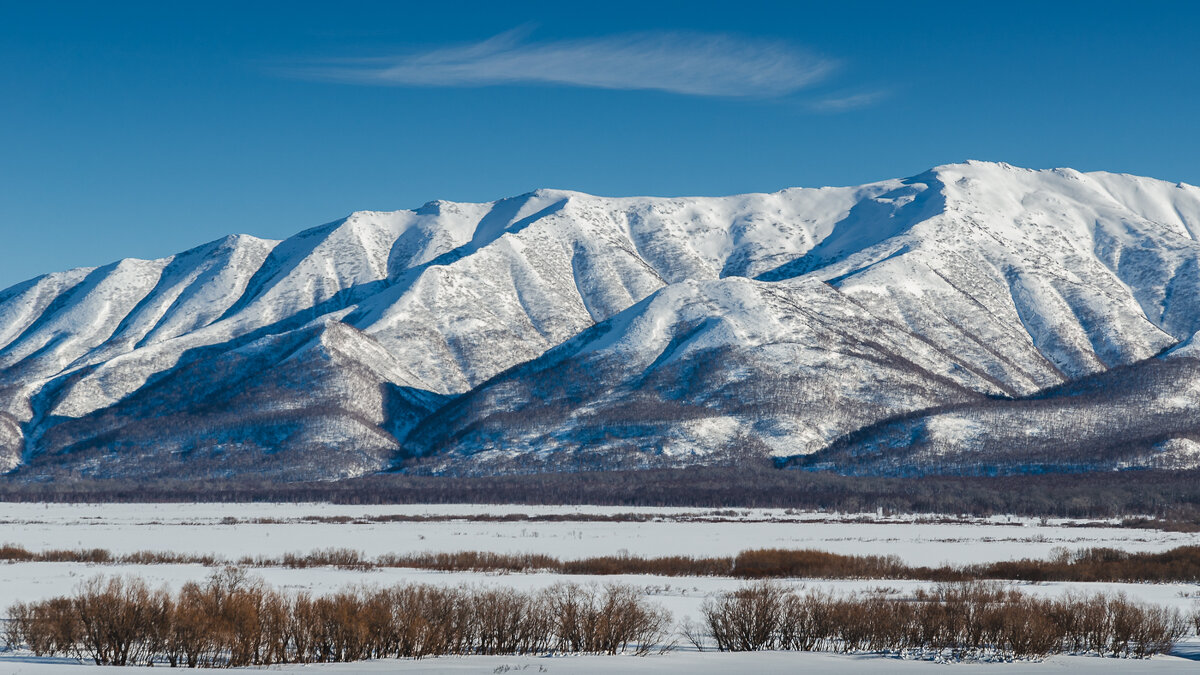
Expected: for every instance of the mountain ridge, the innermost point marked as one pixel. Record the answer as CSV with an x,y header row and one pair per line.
x,y
966,281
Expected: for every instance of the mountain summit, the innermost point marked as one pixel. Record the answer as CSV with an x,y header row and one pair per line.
x,y
975,318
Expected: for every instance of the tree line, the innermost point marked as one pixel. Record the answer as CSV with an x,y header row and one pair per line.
x,y
1163,495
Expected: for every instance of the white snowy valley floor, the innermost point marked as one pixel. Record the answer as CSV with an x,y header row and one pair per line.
x,y
227,530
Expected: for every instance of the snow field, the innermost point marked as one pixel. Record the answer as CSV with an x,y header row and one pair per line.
x,y
225,530
228,530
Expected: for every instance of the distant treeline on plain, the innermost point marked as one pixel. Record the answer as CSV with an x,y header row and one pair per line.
x,y
1169,496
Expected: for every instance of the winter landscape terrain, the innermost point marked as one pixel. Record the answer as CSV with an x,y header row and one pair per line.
x,y
978,318
936,351
235,530
621,338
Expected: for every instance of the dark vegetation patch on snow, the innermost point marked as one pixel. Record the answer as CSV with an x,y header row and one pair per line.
x,y
1180,565
235,620
1163,499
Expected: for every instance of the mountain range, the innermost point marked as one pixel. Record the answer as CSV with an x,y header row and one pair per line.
x,y
978,318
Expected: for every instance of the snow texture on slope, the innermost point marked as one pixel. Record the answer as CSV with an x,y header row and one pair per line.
x,y
557,330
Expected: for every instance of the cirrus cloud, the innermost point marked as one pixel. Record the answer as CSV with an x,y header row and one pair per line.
x,y
849,101
697,64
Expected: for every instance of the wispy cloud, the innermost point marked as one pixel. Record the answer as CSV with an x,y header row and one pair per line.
x,y
697,64
850,101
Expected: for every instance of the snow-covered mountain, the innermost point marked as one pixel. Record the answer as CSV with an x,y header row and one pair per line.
x,y
897,327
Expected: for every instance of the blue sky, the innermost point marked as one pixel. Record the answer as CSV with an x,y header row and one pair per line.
x,y
142,129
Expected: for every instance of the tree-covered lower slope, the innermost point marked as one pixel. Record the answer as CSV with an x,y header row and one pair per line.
x,y
1140,416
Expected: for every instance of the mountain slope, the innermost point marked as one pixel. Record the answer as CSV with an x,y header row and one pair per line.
x,y
453,292
1142,415
699,368
319,401
557,330
997,280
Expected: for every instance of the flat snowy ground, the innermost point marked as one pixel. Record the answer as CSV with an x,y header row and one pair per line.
x,y
229,531
675,663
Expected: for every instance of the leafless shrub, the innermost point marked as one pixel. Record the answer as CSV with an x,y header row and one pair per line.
x,y
807,622
1141,630
119,619
694,633
235,620
746,619
606,620
966,619
46,628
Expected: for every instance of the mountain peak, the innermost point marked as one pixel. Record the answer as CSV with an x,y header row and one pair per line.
x,y
625,331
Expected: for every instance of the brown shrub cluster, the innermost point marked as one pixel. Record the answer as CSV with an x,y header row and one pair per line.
x,y
810,564
969,620
675,565
1181,564
470,561
1094,564
1101,564
233,620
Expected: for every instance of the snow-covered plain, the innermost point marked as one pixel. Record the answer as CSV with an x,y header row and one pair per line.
x,y
236,530
230,530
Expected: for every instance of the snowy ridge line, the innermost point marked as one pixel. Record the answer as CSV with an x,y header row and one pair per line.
x,y
557,331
